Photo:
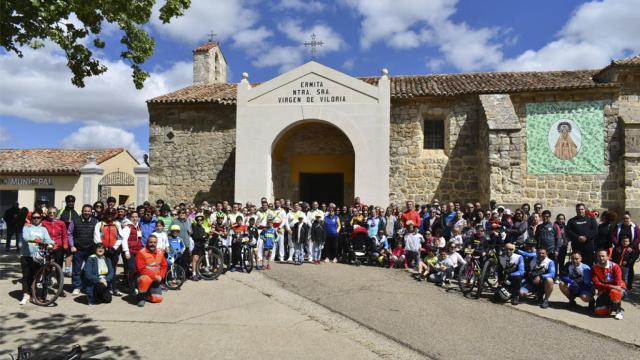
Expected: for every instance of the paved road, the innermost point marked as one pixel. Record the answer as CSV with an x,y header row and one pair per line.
x,y
240,316
440,323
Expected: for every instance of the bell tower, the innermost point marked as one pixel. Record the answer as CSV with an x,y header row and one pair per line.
x,y
209,64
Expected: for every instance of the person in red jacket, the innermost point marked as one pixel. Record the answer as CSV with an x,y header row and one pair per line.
x,y
151,266
58,232
607,279
411,214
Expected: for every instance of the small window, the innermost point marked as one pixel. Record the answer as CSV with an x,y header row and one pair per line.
x,y
434,134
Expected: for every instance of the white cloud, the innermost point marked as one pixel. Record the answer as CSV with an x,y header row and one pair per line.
x,y
253,41
4,135
348,64
37,87
288,57
407,24
102,136
299,5
597,32
225,18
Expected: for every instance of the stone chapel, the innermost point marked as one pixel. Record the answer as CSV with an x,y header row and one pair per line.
x,y
314,133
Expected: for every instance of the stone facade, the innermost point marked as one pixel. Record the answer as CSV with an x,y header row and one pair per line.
x,y
193,136
192,152
420,174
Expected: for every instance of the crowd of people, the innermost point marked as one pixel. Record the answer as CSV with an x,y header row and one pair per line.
x,y
432,239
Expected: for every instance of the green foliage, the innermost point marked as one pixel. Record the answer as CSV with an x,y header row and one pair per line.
x,y
30,22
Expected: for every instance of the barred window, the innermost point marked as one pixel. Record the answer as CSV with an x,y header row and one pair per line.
x,y
433,134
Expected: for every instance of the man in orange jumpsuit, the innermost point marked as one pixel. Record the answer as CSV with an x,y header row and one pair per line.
x,y
151,266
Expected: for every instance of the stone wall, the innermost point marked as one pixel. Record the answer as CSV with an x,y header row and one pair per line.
x,y
192,152
420,174
565,190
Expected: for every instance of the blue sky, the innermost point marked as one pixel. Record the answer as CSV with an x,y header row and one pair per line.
x,y
40,108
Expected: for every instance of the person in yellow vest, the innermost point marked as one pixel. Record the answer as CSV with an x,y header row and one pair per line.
x,y
108,232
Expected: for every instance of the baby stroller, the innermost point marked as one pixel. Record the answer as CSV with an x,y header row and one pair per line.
x,y
359,246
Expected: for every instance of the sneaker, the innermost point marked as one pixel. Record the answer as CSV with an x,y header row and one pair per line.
x,y
515,300
545,304
556,281
141,303
269,267
116,293
326,260
619,315
25,299
232,269
75,292
335,261
258,267
195,278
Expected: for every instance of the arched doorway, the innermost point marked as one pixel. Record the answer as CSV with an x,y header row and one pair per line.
x,y
119,185
313,161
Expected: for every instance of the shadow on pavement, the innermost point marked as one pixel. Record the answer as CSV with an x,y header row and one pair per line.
x,y
55,334
10,265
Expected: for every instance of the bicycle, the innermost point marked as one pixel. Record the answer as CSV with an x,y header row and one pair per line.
x,y
76,353
246,254
48,281
490,271
210,265
176,276
469,273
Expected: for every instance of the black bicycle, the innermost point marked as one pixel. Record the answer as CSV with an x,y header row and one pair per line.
x,y
490,271
76,353
210,265
246,254
49,279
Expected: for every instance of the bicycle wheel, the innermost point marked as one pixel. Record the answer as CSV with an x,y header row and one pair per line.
x,y
175,277
247,258
483,275
226,257
467,277
209,265
47,284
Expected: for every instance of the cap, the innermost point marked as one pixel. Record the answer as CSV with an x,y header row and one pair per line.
x,y
174,227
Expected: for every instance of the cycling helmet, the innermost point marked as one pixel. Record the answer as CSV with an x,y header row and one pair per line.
x,y
220,215
174,228
503,294
199,215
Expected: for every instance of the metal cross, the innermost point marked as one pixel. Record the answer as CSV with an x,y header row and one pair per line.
x,y
211,35
313,44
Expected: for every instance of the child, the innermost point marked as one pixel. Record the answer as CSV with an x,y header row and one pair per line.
x,y
161,235
380,247
254,235
96,276
238,231
299,234
268,237
175,245
438,240
397,255
456,238
318,237
413,242
443,268
625,256
427,266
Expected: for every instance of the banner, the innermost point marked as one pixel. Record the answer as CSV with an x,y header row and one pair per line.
x,y
565,137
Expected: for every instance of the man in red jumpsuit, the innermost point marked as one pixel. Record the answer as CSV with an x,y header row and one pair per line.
x,y
151,266
607,279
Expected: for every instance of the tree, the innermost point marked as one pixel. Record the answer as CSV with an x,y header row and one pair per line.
x,y
30,22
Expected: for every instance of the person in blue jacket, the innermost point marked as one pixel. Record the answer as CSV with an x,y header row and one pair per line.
x,y
512,265
540,279
575,281
96,277
176,245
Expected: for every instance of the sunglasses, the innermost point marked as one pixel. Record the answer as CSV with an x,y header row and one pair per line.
x,y
36,217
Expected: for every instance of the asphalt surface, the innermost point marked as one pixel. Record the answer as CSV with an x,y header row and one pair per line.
x,y
440,323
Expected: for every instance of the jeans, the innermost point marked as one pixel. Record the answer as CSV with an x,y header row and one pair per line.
x,y
97,292
317,250
298,254
78,260
29,269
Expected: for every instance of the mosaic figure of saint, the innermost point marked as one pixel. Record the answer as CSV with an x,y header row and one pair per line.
x,y
565,148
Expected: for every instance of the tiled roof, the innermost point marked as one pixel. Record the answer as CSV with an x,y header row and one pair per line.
x,y
634,60
206,46
50,161
410,86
